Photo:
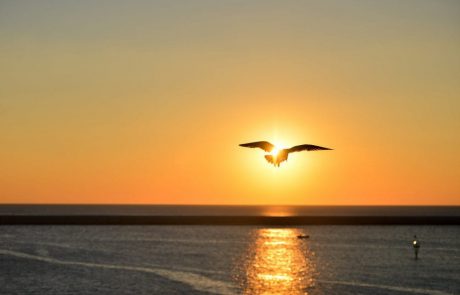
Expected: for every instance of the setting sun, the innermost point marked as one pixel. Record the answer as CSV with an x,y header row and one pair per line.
x,y
275,151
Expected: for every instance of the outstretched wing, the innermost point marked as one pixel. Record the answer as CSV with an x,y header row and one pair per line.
x,y
265,145
307,147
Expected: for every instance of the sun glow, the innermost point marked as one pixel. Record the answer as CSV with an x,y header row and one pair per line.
x,y
275,151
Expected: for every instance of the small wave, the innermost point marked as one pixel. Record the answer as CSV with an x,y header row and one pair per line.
x,y
188,269
446,249
197,282
58,245
362,246
387,287
188,241
43,252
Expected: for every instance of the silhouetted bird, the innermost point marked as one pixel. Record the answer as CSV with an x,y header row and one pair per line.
x,y
282,155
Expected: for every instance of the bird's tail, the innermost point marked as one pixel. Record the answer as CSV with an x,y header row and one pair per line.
x,y
270,159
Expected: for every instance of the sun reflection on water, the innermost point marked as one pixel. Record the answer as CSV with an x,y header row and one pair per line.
x,y
278,211
278,263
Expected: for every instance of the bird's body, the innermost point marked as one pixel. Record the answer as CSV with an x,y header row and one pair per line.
x,y
282,155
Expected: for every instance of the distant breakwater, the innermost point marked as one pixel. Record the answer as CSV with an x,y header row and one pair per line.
x,y
225,220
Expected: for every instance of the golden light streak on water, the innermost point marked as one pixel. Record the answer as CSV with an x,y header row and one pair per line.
x,y
278,263
278,211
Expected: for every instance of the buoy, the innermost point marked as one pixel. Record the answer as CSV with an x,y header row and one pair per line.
x,y
416,245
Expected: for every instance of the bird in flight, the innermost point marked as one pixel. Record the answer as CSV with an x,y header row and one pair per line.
x,y
278,156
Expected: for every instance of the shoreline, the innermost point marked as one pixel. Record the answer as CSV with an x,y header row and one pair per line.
x,y
224,220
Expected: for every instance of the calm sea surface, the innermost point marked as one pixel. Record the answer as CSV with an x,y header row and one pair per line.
x,y
228,260
211,210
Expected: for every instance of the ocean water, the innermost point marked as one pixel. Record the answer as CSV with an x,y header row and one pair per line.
x,y
216,210
228,260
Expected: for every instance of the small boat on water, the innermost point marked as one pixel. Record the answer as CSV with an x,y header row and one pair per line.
x,y
303,236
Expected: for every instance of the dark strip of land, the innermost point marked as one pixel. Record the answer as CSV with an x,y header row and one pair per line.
x,y
225,220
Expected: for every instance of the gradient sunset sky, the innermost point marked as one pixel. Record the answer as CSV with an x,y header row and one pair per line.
x,y
147,101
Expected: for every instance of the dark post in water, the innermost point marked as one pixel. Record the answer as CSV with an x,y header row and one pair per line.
x,y
416,245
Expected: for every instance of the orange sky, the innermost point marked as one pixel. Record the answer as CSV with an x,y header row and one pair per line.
x,y
146,102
